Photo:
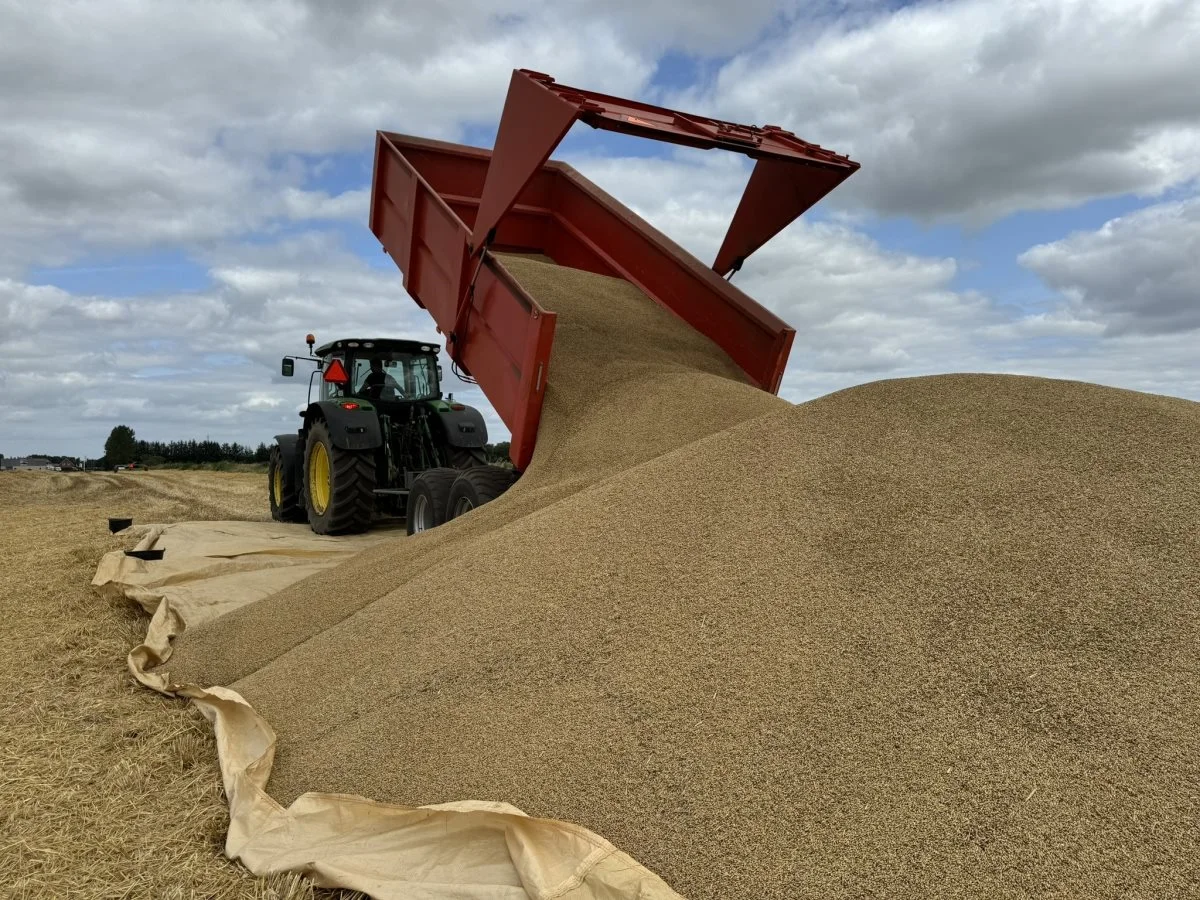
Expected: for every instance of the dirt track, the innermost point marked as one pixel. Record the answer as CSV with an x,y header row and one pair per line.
x,y
106,789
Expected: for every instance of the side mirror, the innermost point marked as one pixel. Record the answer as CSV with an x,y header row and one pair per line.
x,y
289,367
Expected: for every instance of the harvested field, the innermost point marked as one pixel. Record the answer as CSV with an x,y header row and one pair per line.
x,y
926,637
106,789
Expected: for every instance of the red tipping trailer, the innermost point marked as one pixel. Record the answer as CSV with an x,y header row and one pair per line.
x,y
438,209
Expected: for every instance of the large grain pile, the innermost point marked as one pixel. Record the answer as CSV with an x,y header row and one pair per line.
x,y
923,638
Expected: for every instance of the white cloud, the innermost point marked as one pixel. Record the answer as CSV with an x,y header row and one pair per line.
x,y
348,205
129,124
1137,274
195,364
708,27
978,108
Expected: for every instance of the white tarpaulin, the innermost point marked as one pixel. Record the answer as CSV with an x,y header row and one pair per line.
x,y
471,850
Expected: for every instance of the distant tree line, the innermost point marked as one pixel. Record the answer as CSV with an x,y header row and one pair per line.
x,y
497,453
152,453
123,447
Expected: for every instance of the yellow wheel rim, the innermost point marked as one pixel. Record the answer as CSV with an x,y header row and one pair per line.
x,y
277,486
318,477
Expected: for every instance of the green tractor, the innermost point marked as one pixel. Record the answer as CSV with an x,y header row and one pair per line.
x,y
380,442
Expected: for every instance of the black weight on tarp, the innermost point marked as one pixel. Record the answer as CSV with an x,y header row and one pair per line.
x,y
145,554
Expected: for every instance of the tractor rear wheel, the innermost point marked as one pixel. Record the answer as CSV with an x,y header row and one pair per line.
x,y
339,485
475,487
467,457
284,493
428,499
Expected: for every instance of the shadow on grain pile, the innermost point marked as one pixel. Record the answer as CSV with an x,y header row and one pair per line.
x,y
922,637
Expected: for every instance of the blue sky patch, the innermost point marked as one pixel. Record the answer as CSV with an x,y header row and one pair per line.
x,y
987,257
126,275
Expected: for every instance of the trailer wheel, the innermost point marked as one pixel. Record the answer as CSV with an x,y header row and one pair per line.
x,y
475,487
339,485
284,493
429,498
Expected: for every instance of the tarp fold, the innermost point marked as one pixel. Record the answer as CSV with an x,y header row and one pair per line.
x,y
469,850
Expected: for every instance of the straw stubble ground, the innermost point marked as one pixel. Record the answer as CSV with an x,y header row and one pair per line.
x,y
930,637
106,789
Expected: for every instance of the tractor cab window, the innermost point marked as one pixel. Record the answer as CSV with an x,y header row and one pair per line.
x,y
375,378
423,377
394,376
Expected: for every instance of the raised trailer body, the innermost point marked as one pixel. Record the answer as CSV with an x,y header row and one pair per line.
x,y
439,209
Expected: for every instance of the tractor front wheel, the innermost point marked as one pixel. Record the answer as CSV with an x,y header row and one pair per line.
x,y
339,485
284,492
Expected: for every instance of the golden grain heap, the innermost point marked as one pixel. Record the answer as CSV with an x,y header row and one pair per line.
x,y
924,637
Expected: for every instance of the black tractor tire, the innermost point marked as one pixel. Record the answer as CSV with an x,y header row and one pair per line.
x,y
283,491
350,489
475,487
467,457
429,498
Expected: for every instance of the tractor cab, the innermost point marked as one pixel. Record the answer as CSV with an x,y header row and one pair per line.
x,y
380,371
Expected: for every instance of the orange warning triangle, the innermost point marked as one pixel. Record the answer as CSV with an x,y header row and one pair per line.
x,y
336,373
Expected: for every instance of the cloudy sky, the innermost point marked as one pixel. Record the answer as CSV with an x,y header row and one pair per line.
x,y
183,186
